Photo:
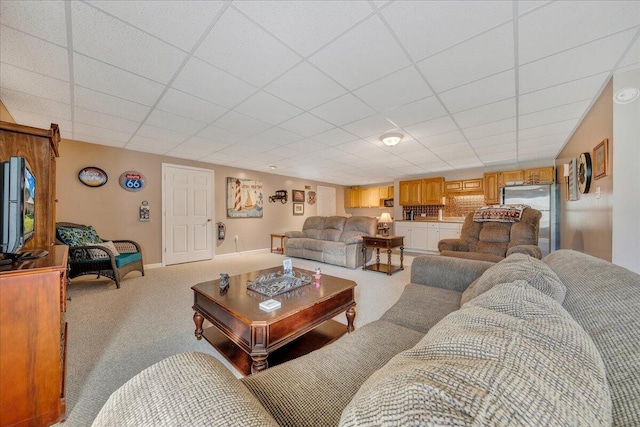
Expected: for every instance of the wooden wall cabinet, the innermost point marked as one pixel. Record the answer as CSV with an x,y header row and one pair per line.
x,y
491,188
545,175
33,340
370,197
515,176
386,192
411,192
351,198
40,148
465,185
432,190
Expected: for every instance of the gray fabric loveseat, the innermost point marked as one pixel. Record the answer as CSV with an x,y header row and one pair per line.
x,y
522,342
331,239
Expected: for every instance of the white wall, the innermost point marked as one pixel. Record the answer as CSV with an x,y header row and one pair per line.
x,y
626,191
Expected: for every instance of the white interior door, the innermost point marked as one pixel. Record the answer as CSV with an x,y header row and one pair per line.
x,y
188,214
326,199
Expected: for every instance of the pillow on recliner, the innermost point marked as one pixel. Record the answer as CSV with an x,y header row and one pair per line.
x,y
515,267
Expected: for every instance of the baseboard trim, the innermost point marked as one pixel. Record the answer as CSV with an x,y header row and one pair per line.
x,y
152,266
234,254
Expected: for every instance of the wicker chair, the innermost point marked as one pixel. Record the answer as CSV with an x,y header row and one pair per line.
x,y
93,259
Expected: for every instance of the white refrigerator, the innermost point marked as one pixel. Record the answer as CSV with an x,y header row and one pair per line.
x,y
542,198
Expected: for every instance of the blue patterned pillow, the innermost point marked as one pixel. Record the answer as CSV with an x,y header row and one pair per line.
x,y
73,236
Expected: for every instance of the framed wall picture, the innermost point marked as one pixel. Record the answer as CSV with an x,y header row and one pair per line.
x,y
297,195
298,208
244,198
600,159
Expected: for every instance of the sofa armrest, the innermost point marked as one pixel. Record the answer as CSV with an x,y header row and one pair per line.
x,y
444,272
453,245
531,250
187,389
353,240
293,234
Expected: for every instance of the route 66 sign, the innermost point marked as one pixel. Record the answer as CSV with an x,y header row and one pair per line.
x,y
132,181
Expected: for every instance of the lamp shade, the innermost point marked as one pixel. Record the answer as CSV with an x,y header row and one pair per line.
x,y
386,217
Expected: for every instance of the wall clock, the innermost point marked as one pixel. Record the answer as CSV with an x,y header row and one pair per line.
x,y
584,172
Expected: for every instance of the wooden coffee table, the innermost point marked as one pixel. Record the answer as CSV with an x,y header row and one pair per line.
x,y
247,335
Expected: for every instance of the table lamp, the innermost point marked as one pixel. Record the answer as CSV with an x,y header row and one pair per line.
x,y
385,219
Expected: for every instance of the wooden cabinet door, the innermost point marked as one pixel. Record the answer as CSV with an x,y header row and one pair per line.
x,y
415,192
384,193
511,176
452,186
404,193
472,184
352,198
364,198
374,197
545,175
432,191
491,194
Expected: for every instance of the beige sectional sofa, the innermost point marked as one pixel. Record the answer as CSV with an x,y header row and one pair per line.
x,y
521,342
331,239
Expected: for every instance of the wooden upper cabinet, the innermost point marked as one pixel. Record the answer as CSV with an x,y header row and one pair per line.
x,y
545,175
410,192
465,185
374,197
386,192
351,198
491,189
432,191
514,177
450,186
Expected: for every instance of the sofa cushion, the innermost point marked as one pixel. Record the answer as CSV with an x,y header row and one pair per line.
x,y
420,307
512,356
128,258
357,226
313,227
188,389
518,266
496,232
333,226
313,390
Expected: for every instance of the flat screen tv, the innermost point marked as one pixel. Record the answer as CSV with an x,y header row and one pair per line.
x,y
17,209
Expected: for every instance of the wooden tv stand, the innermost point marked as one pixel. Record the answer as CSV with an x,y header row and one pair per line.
x,y
33,340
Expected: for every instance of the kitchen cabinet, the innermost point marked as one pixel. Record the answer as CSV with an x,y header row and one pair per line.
x,y
545,175
433,236
351,198
370,197
449,230
491,189
465,185
415,234
424,236
431,193
386,192
410,192
374,197
511,177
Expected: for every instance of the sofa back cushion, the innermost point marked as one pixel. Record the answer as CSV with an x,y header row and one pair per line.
x,y
514,267
313,227
333,226
357,226
512,356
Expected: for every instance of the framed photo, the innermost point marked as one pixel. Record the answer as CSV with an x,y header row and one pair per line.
x,y
600,159
298,208
297,196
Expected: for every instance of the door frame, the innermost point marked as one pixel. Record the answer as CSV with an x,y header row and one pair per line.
x,y
164,210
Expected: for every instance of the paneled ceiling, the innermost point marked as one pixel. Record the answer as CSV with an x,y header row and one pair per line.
x,y
310,86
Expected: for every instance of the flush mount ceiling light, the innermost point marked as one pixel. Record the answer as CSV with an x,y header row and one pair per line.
x,y
626,95
391,139
273,167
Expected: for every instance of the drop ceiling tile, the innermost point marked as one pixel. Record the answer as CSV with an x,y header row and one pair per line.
x,y
343,110
105,78
428,27
149,145
278,136
169,121
574,110
415,112
487,113
26,52
160,134
405,146
508,149
489,129
374,125
486,91
306,146
20,80
253,147
180,23
96,140
203,144
574,64
443,139
499,158
219,135
480,57
466,163
566,24
289,21
362,55
550,129
25,102
241,124
185,105
219,158
632,56
268,108
89,117
335,136
206,81
399,88
491,141
243,49
100,132
45,20
42,121
567,93
431,128
525,6
453,151
187,153
294,86
356,147
306,125
97,101
556,139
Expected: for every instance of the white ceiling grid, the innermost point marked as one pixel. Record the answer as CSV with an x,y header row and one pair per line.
x,y
310,86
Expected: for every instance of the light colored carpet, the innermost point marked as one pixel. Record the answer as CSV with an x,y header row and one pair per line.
x,y
115,333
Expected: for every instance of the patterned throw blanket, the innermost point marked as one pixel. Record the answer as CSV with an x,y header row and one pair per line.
x,y
499,213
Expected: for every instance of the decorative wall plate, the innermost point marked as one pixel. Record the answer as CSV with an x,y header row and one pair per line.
x,y
584,172
132,181
92,176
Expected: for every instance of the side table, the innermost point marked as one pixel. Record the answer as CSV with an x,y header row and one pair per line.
x,y
277,249
385,242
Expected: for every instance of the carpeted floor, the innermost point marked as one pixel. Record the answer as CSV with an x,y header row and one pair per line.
x,y
115,333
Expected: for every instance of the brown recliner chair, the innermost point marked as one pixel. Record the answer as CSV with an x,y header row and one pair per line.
x,y
493,241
